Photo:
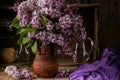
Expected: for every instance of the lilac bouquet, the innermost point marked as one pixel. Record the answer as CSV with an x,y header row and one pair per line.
x,y
49,22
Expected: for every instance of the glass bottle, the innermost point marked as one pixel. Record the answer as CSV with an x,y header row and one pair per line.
x,y
25,56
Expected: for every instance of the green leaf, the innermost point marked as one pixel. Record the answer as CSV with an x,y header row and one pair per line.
x,y
15,23
25,40
28,45
34,47
21,38
16,17
30,29
43,20
22,30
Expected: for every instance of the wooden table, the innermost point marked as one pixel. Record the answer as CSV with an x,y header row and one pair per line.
x,y
63,65
4,76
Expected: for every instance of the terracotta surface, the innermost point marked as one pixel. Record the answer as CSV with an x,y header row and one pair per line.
x,y
45,66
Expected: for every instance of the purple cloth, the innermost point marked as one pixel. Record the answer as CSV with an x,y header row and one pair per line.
x,y
107,68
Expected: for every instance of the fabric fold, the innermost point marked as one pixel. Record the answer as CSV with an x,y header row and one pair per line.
x,y
106,68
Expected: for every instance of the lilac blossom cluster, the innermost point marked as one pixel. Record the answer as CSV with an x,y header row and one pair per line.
x,y
31,10
64,73
60,26
18,74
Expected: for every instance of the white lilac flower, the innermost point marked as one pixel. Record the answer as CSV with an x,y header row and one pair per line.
x,y
10,69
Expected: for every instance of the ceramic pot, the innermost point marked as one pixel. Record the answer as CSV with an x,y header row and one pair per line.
x,y
45,65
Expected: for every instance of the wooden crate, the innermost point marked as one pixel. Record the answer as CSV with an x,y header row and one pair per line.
x,y
90,13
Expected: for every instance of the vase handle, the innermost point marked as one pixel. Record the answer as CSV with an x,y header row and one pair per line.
x,y
86,54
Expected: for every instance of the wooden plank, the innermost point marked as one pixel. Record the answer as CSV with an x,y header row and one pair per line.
x,y
96,40
86,5
4,76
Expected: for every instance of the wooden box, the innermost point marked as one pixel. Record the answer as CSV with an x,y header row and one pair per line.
x,y
90,13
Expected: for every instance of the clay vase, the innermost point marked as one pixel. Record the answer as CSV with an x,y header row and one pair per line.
x,y
45,65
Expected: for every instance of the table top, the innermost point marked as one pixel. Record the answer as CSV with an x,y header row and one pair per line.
x,y
4,76
63,65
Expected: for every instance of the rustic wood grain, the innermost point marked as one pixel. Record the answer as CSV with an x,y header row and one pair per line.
x,y
4,76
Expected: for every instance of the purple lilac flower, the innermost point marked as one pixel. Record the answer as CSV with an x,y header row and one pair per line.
x,y
65,21
56,7
15,7
18,74
23,14
53,38
57,27
60,40
41,3
24,20
56,13
50,7
35,21
67,32
68,51
30,35
22,8
31,4
23,72
78,20
41,36
63,73
31,76
83,33
50,26
75,58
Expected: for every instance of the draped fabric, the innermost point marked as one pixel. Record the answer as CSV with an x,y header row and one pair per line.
x,y
107,68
